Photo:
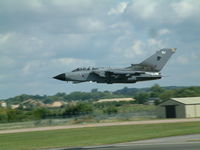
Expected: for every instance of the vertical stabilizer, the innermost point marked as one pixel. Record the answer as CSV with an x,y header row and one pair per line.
x,y
158,60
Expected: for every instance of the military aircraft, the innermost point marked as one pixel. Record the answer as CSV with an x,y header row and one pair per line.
x,y
149,69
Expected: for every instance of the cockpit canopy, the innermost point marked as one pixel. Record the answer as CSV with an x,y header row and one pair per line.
x,y
83,69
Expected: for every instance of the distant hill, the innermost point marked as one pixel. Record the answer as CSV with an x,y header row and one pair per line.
x,y
134,91
139,93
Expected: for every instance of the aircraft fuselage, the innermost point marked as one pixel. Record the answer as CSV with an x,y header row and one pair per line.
x,y
149,69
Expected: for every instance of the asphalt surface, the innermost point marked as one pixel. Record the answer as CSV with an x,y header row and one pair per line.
x,y
187,142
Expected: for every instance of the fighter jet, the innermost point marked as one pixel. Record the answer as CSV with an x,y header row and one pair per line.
x,y
149,69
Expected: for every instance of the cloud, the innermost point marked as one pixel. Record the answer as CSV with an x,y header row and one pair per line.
x,y
156,43
5,37
164,12
6,61
194,56
42,16
72,62
163,32
30,66
20,44
186,9
143,9
183,60
91,25
136,48
121,7
39,39
41,66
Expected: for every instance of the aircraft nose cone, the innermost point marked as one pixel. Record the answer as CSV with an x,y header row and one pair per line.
x,y
60,77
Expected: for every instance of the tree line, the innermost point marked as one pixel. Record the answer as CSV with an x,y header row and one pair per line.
x,y
140,94
68,111
84,103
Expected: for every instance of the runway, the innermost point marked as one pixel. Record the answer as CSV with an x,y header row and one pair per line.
x,y
99,125
187,142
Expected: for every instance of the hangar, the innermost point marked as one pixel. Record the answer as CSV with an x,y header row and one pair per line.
x,y
188,107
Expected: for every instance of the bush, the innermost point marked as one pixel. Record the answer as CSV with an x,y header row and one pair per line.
x,y
78,109
141,98
110,110
40,113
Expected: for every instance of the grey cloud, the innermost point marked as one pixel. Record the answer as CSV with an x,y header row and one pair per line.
x,y
164,12
41,38
25,15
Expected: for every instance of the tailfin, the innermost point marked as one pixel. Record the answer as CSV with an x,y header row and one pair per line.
x,y
158,60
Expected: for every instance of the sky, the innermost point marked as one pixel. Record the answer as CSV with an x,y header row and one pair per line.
x,y
43,38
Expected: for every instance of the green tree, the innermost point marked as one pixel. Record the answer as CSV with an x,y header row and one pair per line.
x,y
156,90
142,97
167,94
40,113
78,109
110,110
3,115
186,92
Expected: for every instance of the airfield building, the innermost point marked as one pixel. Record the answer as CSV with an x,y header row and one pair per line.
x,y
188,107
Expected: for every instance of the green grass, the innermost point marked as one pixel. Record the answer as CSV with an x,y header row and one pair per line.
x,y
136,108
16,125
93,135
32,124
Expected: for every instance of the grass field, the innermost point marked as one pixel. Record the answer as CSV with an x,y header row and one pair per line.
x,y
93,135
31,124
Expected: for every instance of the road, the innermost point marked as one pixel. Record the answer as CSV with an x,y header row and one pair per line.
x,y
99,125
187,142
